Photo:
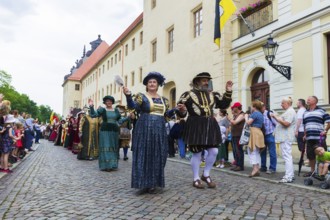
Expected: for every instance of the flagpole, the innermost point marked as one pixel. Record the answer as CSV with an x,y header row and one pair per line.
x,y
247,24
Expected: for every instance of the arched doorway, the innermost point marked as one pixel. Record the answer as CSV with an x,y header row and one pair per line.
x,y
260,87
169,90
173,98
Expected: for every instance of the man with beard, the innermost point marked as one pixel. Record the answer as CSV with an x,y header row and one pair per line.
x,y
201,131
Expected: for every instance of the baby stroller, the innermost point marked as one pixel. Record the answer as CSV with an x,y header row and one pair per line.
x,y
323,185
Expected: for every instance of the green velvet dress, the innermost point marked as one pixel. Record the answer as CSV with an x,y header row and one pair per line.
x,y
108,138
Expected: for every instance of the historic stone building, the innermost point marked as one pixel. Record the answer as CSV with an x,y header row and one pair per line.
x,y
302,30
176,41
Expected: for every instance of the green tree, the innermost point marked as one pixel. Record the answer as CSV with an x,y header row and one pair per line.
x,y
22,102
44,113
5,78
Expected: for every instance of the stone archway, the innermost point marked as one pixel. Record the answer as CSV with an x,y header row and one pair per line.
x,y
247,79
169,92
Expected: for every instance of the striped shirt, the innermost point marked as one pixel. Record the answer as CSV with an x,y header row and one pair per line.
x,y
314,122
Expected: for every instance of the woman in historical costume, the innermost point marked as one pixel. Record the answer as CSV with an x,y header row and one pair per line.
x,y
53,134
149,142
88,133
109,133
58,140
76,138
124,132
69,133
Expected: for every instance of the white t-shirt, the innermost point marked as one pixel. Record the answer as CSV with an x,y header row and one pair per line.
x,y
223,133
169,126
300,115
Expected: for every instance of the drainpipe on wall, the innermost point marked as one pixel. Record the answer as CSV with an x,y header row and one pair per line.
x,y
122,70
97,86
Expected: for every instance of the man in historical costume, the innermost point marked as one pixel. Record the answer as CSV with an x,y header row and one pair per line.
x,y
124,132
201,131
88,133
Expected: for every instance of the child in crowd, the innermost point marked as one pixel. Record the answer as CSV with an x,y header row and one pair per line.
x,y
222,149
19,144
7,142
323,159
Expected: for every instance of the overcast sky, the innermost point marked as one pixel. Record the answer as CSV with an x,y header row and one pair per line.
x,y
40,40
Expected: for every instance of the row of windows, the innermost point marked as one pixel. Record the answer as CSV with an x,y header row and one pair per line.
x,y
113,60
113,88
198,27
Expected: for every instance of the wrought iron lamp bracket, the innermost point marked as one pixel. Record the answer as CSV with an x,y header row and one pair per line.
x,y
284,70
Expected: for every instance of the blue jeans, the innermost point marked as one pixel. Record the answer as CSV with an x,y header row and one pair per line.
x,y
271,147
38,134
182,148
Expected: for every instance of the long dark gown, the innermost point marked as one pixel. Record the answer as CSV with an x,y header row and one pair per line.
x,y
149,142
89,139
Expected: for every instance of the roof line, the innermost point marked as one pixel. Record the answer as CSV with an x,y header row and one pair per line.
x,y
128,30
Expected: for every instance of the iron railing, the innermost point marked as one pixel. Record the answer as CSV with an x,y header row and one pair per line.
x,y
258,19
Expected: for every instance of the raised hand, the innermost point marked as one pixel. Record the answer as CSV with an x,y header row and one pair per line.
x,y
126,90
229,86
90,102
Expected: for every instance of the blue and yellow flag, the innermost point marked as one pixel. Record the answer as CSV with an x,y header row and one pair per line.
x,y
224,9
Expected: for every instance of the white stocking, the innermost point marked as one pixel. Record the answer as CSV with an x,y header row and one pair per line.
x,y
195,163
209,160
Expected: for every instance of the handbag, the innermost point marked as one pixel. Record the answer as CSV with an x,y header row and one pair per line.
x,y
245,136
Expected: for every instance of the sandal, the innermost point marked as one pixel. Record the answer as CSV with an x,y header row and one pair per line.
x,y
208,181
198,184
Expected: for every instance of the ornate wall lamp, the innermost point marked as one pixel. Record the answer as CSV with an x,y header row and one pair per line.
x,y
270,49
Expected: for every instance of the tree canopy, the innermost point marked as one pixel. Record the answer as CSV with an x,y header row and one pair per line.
x,y
22,102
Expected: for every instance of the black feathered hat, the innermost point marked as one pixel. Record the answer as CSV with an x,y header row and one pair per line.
x,y
154,75
200,76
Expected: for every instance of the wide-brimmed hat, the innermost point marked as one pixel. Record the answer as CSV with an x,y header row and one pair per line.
x,y
108,97
121,106
236,105
200,76
10,119
154,75
81,112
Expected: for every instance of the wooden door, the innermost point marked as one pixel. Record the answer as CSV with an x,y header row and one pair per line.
x,y
260,88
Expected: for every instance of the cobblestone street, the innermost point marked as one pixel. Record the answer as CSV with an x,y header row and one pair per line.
x,y
52,184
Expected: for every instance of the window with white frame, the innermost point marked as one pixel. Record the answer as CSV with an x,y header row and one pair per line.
x,y
198,22
170,35
154,51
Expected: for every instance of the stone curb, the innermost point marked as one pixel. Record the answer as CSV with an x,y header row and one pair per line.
x,y
259,178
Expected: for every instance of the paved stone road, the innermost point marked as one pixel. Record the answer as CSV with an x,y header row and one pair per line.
x,y
52,184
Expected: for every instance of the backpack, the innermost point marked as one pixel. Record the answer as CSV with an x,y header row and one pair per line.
x,y
270,118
